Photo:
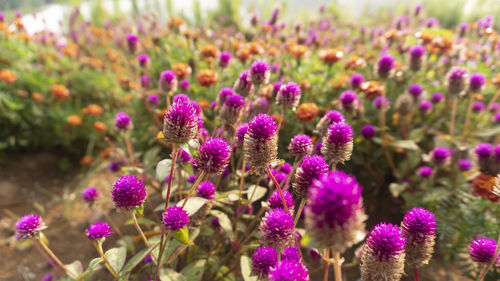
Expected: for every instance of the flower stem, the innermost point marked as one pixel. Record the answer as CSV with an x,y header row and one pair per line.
x,y
98,247
453,117
490,264
337,266
467,118
56,259
162,249
113,225
238,204
301,207
196,183
326,255
136,224
415,272
172,168
130,148
292,172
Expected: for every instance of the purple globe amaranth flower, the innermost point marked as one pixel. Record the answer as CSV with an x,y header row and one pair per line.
x,y
213,156
425,106
115,166
338,144
181,123
356,80
300,145
154,100
476,82
431,22
206,189
419,228
276,88
182,156
311,168
437,97
168,81
181,98
289,95
123,121
385,66
381,103
261,105
146,81
368,131
349,101
48,277
148,259
243,85
224,93
285,168
175,218
2,17
132,42
495,107
260,72
483,250
415,90
90,195
224,59
260,144
191,179
29,226
335,214
457,80
98,230
277,229
143,60
263,259
478,106
483,150
240,133
290,254
496,117
280,177
425,171
288,271
464,165
232,109
275,200
416,57
184,86
332,116
128,192
440,155
383,255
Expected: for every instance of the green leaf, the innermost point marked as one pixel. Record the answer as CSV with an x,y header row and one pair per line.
x,y
397,188
193,204
259,192
135,260
224,221
489,133
246,270
116,257
183,236
169,274
405,144
194,271
93,267
75,267
163,169
139,211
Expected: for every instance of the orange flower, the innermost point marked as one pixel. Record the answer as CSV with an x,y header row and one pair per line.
x,y
207,77
105,152
86,160
254,48
94,109
340,81
37,97
182,70
22,93
298,51
8,76
243,54
266,91
277,119
355,62
204,104
307,112
372,89
483,186
305,85
100,126
330,56
209,51
59,91
74,120
70,50
175,22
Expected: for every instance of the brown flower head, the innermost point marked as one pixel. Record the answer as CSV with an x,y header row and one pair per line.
x,y
182,70
306,112
207,77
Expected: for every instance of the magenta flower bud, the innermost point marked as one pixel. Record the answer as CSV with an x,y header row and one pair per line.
x,y
311,168
482,250
132,42
123,121
146,81
356,80
275,201
184,86
385,66
289,95
332,116
437,98
368,131
168,81
416,57
383,254
90,195
206,189
349,101
440,155
240,133
224,59
224,93
478,106
232,109
495,107
181,123
262,260
381,103
338,143
290,254
476,82
183,98
128,192
300,145
457,80
213,156
243,85
182,156
288,271
415,90
431,22
154,100
464,165
143,60
425,171
277,229
260,144
2,17
335,214
98,230
48,277
483,150
261,105
29,226
425,107
496,117
285,168
419,228
276,88
175,218
260,72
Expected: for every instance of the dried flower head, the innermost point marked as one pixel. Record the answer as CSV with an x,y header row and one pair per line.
x,y
175,218
128,192
277,229
29,226
260,144
332,116
338,143
243,85
168,81
98,230
300,145
419,228
180,123
213,156
260,72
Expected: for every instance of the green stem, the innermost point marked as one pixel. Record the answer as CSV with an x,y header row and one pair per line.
x,y
55,258
98,246
136,224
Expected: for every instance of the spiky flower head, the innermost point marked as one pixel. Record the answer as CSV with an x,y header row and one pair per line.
x,y
289,95
476,82
143,60
128,192
332,116
478,107
441,155
232,109
181,98
146,81
337,144
385,66
240,133
224,93
415,90
243,85
300,145
29,226
224,59
263,259
276,88
457,80
260,72
311,168
98,230
90,195
123,121
416,58
335,215
483,250
381,103
404,104
288,271
260,144
275,200
181,123
206,189
437,97
383,255
260,105
419,228
175,218
464,165
368,131
132,42
290,254
213,156
349,101
168,81
277,229
483,150
356,80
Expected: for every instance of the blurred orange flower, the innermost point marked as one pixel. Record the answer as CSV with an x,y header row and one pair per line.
x,y
8,76
243,54
372,89
209,51
59,91
204,104
483,185
100,126
330,56
307,112
298,51
207,77
37,97
86,160
305,85
182,70
74,120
